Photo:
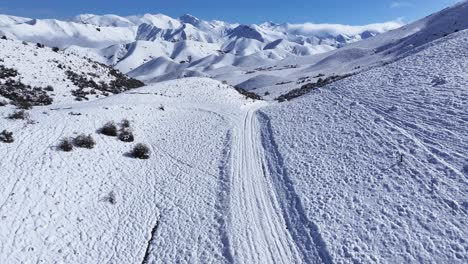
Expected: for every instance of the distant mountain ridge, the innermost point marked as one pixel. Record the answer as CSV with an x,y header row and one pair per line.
x,y
79,31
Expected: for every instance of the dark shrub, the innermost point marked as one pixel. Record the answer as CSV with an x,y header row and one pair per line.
x,y
23,104
248,94
20,114
40,45
66,145
126,135
84,141
162,108
111,198
141,151
109,129
49,88
4,37
6,137
55,49
24,43
3,102
125,123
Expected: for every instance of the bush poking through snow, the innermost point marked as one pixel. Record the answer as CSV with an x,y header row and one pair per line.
x,y
20,114
3,102
49,88
162,108
109,129
66,145
6,137
84,141
111,198
141,151
55,49
22,104
125,124
126,135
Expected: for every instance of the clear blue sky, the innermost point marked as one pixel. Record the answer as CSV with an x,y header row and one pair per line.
x,y
354,12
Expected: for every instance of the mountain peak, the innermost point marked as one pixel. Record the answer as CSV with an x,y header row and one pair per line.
x,y
189,19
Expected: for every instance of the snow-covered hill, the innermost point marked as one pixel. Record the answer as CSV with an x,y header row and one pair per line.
x,y
39,75
352,58
379,161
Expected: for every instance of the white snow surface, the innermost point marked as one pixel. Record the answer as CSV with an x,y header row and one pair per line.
x,y
369,169
379,161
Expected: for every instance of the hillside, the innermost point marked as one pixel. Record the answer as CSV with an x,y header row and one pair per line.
x,y
378,160
37,75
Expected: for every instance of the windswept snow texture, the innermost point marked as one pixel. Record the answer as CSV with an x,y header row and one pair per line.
x,y
379,161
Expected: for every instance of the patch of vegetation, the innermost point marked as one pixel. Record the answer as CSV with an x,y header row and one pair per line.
x,y
87,86
6,137
84,141
110,198
22,95
19,114
109,129
7,72
310,87
141,151
248,94
126,135
125,123
66,144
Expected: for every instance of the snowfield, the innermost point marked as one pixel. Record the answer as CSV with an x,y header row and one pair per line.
x,y
368,168
381,164
60,198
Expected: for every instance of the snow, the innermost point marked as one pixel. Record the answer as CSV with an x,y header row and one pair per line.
x,y
341,148
6,20
58,197
40,67
369,169
184,39
63,34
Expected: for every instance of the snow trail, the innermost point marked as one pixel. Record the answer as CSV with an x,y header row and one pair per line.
x,y
259,232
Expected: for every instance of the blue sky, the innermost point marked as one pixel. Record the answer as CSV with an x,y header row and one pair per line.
x,y
351,12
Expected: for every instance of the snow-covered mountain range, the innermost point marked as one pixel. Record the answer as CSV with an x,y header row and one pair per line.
x,y
129,42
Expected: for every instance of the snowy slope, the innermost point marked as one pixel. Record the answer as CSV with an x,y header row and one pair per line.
x,y
55,33
42,67
356,57
6,20
379,161
59,199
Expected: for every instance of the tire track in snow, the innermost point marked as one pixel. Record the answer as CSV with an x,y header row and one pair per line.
x,y
258,230
305,233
